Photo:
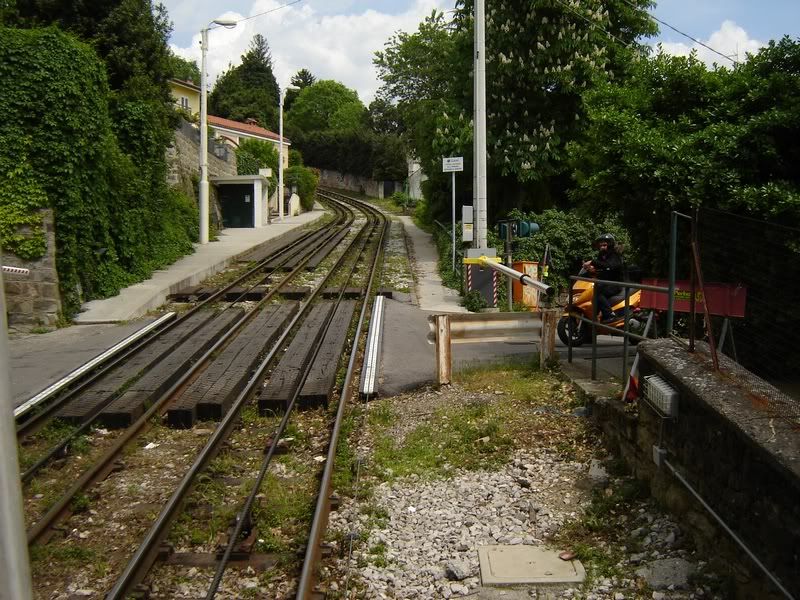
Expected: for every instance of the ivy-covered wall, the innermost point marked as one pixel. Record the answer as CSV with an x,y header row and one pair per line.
x,y
116,220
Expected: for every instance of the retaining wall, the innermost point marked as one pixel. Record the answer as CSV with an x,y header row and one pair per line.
x,y
183,162
34,300
742,459
353,183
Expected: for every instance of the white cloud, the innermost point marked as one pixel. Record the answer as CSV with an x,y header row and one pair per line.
x,y
339,47
730,40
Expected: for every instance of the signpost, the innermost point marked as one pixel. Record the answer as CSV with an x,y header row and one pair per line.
x,y
452,165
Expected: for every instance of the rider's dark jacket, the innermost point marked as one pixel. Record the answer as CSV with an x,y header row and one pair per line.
x,y
608,266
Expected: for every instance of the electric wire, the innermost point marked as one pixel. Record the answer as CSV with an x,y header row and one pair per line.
x,y
686,35
268,11
638,47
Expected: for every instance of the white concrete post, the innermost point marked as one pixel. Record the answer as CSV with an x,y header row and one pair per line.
x,y
480,121
280,156
15,574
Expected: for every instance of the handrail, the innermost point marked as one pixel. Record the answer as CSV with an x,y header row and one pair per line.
x,y
625,284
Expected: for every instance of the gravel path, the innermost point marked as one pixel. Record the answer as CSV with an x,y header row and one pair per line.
x,y
416,537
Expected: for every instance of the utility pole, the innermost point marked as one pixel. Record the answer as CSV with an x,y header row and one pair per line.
x,y
480,122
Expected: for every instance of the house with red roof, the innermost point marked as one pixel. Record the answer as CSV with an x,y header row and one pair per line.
x,y
231,132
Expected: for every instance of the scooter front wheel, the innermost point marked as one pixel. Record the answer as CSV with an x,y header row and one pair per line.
x,y
579,330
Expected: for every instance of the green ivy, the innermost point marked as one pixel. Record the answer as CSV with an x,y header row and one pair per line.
x,y
95,157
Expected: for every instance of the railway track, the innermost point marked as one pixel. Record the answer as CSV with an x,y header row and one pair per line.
x,y
270,357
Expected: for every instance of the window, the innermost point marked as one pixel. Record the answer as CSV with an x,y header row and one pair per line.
x,y
184,103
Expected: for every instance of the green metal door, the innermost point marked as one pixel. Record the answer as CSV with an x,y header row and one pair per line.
x,y
237,202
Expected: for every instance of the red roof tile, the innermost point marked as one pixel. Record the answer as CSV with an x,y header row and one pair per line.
x,y
245,128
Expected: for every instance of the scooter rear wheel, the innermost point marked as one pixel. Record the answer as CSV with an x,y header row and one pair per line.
x,y
581,333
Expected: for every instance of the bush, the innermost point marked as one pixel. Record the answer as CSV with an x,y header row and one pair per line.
x,y
306,179
474,301
403,200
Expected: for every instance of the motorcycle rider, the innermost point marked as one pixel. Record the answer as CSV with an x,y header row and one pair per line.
x,y
608,266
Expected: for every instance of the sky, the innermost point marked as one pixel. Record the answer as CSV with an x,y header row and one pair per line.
x,y
336,39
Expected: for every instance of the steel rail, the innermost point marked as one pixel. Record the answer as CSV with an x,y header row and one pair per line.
x,y
146,553
243,516
320,521
35,422
103,466
60,447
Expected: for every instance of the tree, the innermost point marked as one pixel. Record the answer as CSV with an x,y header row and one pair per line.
x,y
540,58
675,135
303,78
383,116
326,105
249,90
185,70
300,80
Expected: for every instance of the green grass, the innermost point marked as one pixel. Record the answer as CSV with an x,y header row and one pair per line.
x,y
472,438
284,519
67,555
55,431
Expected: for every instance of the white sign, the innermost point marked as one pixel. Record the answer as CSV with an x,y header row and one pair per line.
x,y
452,164
466,233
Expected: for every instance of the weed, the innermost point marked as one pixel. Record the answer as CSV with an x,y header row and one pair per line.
x,y
380,413
80,503
65,554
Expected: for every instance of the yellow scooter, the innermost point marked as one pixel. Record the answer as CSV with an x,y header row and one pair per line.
x,y
581,306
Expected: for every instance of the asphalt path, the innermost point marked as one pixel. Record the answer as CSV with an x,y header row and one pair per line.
x,y
408,360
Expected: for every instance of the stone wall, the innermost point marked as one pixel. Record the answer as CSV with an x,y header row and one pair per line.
x,y
34,300
353,183
741,459
183,161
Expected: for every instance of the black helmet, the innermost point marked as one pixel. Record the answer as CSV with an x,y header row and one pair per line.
x,y
608,238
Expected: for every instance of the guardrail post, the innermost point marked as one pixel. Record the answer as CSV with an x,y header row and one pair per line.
x,y
547,343
443,355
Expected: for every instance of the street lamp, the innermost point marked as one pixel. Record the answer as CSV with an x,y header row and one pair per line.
x,y
203,203
281,97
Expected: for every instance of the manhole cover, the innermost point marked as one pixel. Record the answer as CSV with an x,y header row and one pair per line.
x,y
512,565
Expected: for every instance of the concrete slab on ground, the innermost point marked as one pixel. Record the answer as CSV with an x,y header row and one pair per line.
x,y
408,360
522,564
208,259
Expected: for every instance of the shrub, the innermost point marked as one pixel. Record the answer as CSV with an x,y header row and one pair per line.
x,y
306,179
403,200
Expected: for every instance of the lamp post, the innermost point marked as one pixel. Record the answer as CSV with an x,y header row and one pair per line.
x,y
281,95
281,98
203,202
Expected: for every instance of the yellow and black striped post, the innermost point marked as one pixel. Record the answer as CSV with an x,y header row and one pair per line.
x,y
480,278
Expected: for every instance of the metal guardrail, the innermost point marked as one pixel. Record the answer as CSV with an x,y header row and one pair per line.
x,y
483,327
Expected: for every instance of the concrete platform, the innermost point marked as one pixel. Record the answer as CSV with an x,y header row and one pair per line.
x,y
137,300
527,565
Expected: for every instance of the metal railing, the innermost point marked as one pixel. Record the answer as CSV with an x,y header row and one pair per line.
x,y
627,286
